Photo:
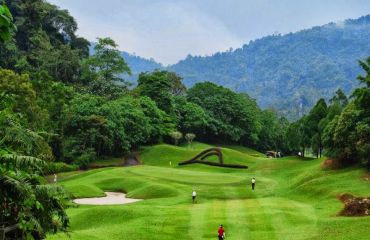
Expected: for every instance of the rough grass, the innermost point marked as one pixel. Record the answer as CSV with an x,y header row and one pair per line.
x,y
294,198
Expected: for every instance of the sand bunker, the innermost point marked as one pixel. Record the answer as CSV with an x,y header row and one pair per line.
x,y
111,198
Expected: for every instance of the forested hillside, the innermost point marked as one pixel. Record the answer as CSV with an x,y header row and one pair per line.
x,y
138,65
288,72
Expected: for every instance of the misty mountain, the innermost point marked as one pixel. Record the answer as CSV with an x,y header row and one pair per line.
x,y
137,65
288,72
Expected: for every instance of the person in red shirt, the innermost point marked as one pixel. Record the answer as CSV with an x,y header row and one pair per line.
x,y
221,232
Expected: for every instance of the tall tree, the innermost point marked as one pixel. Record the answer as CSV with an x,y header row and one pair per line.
x,y
103,70
177,88
157,86
317,113
339,97
107,61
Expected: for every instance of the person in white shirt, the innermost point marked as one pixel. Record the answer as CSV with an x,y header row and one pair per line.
x,y
253,183
194,195
55,178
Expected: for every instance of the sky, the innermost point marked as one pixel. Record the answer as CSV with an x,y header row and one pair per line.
x,y
169,30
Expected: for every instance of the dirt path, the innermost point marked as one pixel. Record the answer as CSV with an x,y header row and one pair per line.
x,y
111,198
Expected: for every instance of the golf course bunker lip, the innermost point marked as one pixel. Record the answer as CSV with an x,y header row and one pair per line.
x,y
111,198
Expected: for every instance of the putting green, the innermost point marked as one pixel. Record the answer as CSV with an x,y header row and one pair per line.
x,y
294,199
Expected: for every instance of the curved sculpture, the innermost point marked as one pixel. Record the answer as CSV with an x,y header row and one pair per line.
x,y
200,158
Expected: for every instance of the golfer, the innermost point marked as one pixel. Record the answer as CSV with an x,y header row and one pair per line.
x,y
221,232
194,195
253,183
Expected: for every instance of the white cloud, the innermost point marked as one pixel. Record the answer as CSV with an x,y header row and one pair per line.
x,y
168,30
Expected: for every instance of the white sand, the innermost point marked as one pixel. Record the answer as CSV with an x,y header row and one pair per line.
x,y
111,198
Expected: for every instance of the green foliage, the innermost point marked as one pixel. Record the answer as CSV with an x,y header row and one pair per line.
x,y
19,91
20,117
6,23
59,167
113,127
45,40
362,94
316,127
63,63
19,139
340,98
160,124
177,87
295,137
190,137
190,117
157,85
87,156
347,136
102,70
176,136
233,117
272,135
127,121
341,128
84,128
37,208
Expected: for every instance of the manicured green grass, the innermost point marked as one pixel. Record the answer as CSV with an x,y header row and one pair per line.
x,y
294,198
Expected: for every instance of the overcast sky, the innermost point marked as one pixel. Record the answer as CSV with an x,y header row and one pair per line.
x,y
169,30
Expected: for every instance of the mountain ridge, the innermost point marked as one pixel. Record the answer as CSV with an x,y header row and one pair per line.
x,y
288,72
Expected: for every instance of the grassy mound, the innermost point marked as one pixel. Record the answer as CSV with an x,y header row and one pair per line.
x,y
168,155
294,198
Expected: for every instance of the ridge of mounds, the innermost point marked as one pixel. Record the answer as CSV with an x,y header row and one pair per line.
x,y
354,206
216,151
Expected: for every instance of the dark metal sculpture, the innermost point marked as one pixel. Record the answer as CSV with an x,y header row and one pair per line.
x,y
201,158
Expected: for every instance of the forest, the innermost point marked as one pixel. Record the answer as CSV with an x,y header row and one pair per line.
x,y
62,108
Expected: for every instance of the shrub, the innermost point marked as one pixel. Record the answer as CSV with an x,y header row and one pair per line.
x,y
176,136
190,137
85,159
58,167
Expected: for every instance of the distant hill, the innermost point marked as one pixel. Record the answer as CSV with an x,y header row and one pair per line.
x,y
138,64
288,72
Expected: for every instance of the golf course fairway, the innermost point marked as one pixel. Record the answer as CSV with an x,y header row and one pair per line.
x,y
294,198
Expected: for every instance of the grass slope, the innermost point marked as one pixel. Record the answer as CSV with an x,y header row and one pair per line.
x,y
294,199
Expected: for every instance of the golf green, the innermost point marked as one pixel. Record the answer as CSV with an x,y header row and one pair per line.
x,y
294,198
